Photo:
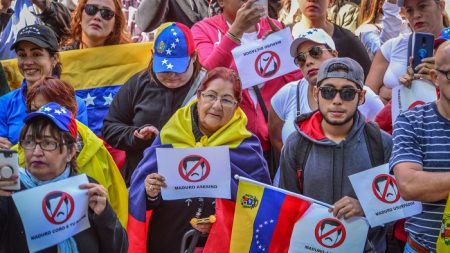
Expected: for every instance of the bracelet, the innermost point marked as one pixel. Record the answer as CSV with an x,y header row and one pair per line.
x,y
233,37
152,199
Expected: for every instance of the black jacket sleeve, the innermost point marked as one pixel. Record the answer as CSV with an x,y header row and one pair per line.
x,y
288,168
118,125
112,236
57,17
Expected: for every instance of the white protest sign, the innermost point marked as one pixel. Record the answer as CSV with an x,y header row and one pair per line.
x,y
403,98
263,60
53,212
379,197
195,172
318,231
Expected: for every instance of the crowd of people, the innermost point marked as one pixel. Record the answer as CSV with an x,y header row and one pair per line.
x,y
305,131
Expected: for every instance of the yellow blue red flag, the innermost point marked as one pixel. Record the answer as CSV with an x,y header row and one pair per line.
x,y
264,218
443,242
95,73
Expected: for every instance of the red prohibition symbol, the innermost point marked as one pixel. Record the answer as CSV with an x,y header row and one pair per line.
x,y
267,64
330,233
385,189
194,168
58,207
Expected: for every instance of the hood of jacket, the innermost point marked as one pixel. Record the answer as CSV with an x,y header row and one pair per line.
x,y
309,125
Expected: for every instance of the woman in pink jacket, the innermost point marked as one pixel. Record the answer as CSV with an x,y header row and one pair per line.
x,y
240,22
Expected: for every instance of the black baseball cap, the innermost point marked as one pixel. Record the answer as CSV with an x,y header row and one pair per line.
x,y
39,35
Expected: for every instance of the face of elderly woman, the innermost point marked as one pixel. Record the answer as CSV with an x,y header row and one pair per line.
x,y
216,106
95,27
41,161
34,62
425,15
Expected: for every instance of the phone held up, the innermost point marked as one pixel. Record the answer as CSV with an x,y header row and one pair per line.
x,y
420,46
9,167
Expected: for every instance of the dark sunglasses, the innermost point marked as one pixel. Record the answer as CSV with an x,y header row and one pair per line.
x,y
445,73
315,52
106,14
346,94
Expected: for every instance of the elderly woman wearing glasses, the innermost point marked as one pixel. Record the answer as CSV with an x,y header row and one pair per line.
x,y
213,119
48,139
149,98
97,23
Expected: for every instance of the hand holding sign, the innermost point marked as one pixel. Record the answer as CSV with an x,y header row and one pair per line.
x,y
97,197
153,184
346,208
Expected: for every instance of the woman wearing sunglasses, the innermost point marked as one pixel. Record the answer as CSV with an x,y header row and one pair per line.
x,y
310,50
97,23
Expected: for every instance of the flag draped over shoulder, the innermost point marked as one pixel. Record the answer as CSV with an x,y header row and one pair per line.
x,y
96,74
443,242
245,159
264,218
22,17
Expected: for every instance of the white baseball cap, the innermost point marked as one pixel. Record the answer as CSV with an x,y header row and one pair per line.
x,y
315,35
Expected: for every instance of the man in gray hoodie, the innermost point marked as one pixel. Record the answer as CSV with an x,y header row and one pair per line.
x,y
338,144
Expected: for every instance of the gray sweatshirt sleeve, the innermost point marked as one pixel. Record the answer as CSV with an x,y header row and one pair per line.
x,y
151,13
288,168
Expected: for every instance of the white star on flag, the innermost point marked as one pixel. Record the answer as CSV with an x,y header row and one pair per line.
x,y
174,33
164,62
108,99
172,30
169,66
63,110
58,112
177,40
47,109
89,100
168,51
172,45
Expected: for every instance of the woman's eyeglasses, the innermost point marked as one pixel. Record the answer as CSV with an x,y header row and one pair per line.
x,y
315,52
47,145
106,13
346,94
225,102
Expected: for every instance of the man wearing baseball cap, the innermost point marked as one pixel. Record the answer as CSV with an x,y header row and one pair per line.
x,y
330,144
310,50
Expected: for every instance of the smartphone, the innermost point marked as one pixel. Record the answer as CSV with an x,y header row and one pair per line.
x,y
9,167
420,45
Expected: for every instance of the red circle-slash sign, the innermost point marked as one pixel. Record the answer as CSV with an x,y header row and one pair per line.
x,y
330,233
267,64
382,193
194,168
58,207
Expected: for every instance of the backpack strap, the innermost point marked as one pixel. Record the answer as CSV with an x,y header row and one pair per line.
x,y
298,100
301,155
374,142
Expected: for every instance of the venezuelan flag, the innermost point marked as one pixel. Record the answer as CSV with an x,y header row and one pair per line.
x,y
96,74
264,218
443,242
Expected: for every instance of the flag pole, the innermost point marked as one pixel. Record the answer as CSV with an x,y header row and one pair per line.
x,y
241,178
